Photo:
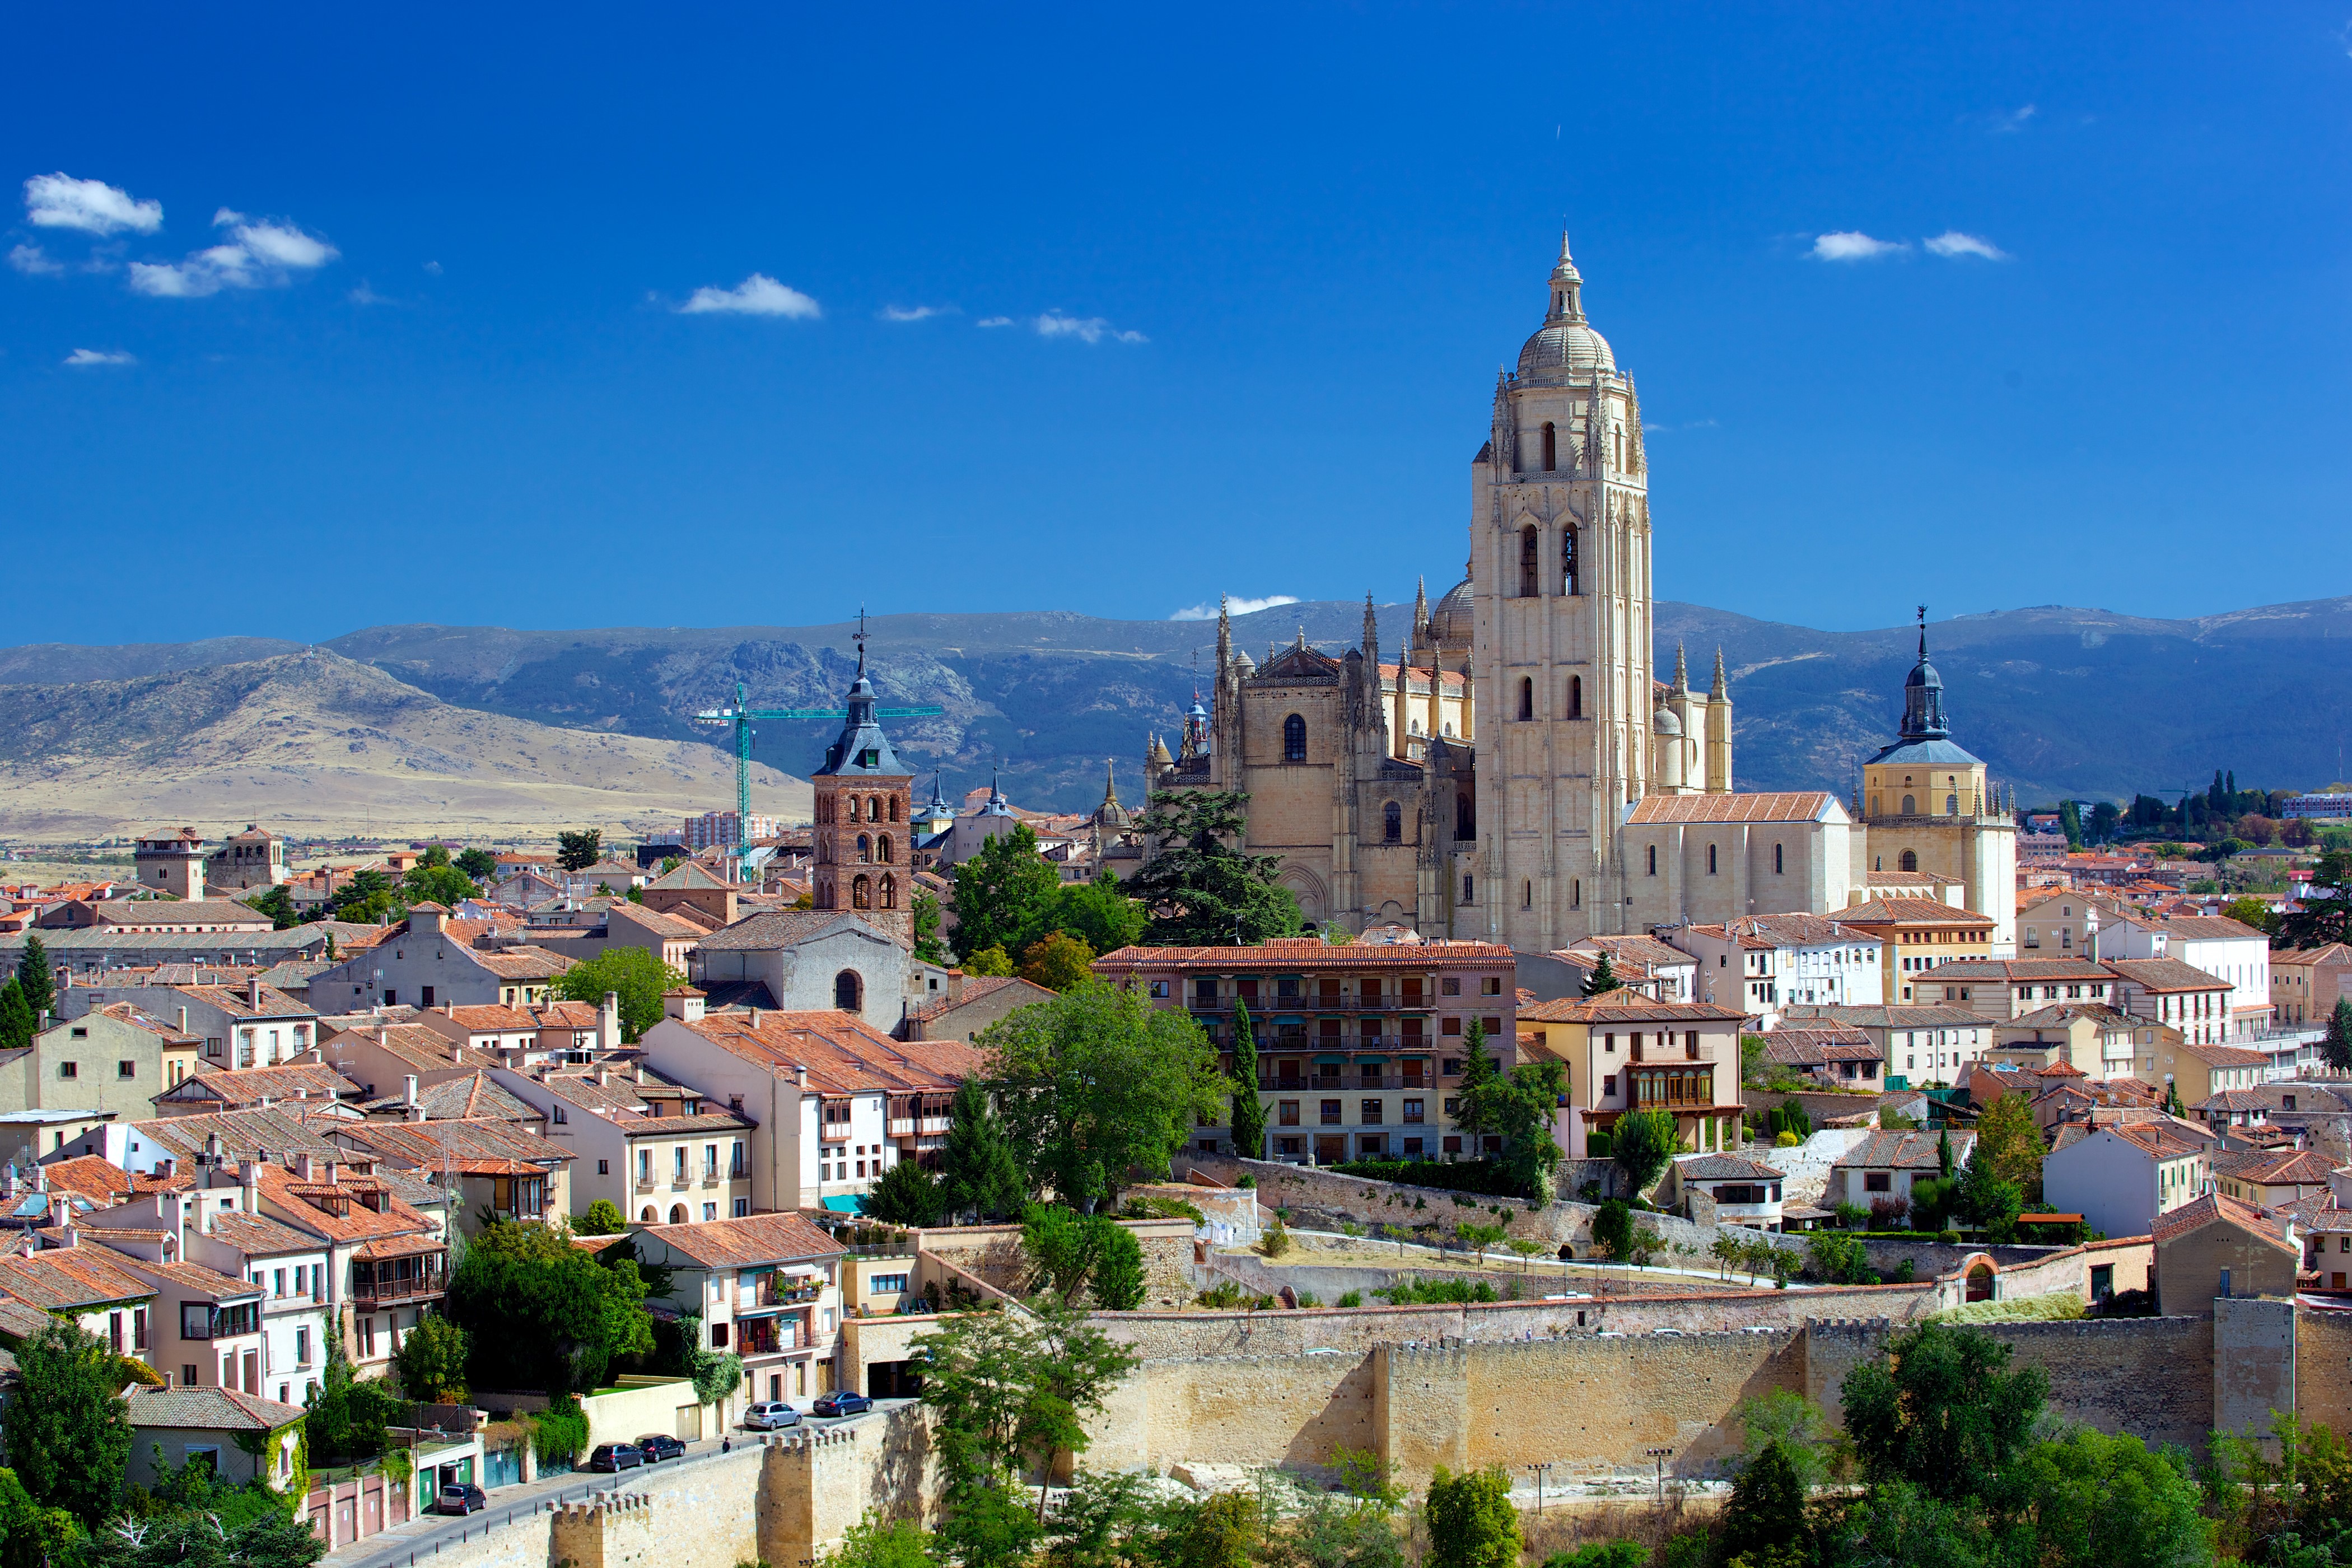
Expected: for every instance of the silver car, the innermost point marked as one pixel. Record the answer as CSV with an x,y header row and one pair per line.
x,y
770,1415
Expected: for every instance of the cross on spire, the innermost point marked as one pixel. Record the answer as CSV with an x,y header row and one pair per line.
x,y
858,636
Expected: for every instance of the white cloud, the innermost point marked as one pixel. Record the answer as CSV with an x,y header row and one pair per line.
x,y
1237,606
363,295
258,254
2009,124
1086,330
433,269
1852,245
758,295
99,357
996,320
33,260
1952,242
913,313
60,201
1649,429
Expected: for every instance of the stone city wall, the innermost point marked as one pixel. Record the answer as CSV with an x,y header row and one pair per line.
x,y
2323,1390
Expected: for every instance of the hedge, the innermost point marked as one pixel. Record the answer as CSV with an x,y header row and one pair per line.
x,y
1482,1176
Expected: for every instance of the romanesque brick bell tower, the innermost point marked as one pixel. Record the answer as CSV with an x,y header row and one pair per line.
x,y
864,814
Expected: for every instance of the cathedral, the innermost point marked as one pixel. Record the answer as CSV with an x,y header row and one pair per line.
x,y
1521,773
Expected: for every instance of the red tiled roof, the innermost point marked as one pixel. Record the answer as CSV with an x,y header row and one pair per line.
x,y
1788,806
754,1239
1296,953
2203,1211
1625,1006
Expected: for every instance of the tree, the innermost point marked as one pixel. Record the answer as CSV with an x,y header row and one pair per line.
x,y
1940,1410
444,884
1795,1424
193,1520
17,1023
1478,1073
604,1218
1603,979
639,977
431,1361
370,897
278,905
1119,1281
927,919
1767,1510
1519,1110
1057,961
1612,1229
989,962
479,865
2010,1142
2070,823
906,1194
1096,1082
69,1436
32,1535
1200,890
1064,1247
2339,1043
2090,1500
978,1171
2324,914
542,1314
35,979
1006,894
1644,1144
1099,915
1988,1199
1248,1110
348,1416
578,851
873,1544
2105,818
2252,911
1472,1524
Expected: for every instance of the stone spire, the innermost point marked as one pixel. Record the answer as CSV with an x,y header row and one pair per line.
x,y
1111,785
1225,635
1681,672
1419,613
1721,690
1371,656
1567,282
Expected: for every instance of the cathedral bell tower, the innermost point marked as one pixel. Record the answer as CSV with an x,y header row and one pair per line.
x,y
1559,578
865,820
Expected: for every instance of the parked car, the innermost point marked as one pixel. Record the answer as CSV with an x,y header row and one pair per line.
x,y
459,1497
659,1446
768,1415
616,1456
840,1402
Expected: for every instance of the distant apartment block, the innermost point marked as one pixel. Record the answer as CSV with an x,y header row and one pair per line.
x,y
723,830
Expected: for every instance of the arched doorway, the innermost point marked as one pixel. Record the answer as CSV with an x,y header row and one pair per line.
x,y
849,990
677,1213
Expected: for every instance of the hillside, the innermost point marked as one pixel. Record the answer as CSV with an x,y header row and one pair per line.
x,y
311,742
2078,701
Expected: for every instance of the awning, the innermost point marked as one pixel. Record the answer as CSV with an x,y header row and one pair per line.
x,y
848,1204
399,1247
1331,1061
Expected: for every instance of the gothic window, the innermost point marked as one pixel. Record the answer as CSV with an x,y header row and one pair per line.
x,y
849,990
889,893
1952,805
1392,823
1550,446
1294,738
882,849
1466,887
1576,892
1617,446
1576,697
861,893
1465,821
894,808
1910,861
1910,805
1527,697
1710,859
865,849
1531,569
1776,860
1568,558
1654,859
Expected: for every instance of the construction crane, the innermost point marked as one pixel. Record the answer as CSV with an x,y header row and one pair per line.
x,y
742,716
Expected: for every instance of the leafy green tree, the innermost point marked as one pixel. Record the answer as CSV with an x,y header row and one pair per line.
x,y
1933,1199
1057,961
2010,1141
1332,1533
278,905
32,1535
1519,1109
906,1194
1767,1510
69,1436
1477,1074
927,919
978,1172
1941,1410
431,1361
542,1314
634,972
370,897
2105,818
604,1218
1612,1229
1006,894
2324,915
1119,1279
989,962
1988,1199
1643,1142
216,1525
1603,978
444,885
17,1023
1099,915
348,1415
1097,1082
36,980
1067,1251
1199,889
2338,1045
2070,823
1248,1110
578,851
1795,1424
872,1543
2090,1500
1472,1524
481,865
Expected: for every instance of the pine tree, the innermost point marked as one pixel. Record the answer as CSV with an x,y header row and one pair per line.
x,y
1477,1071
1602,980
977,1170
1249,1111
17,1027
33,977
2338,1044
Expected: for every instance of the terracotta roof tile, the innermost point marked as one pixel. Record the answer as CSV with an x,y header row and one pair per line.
x,y
740,1243
1790,805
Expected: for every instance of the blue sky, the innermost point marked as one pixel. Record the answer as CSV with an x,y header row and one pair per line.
x,y
341,319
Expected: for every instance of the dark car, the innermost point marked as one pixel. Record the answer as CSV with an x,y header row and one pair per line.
x,y
459,1497
616,1456
840,1402
658,1446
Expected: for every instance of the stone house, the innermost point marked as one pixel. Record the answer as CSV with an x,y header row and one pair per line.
x,y
102,1061
207,1328
1878,1173
433,961
2119,1178
2214,1245
1920,1044
2307,983
810,959
502,1169
218,1424
695,1165
1625,1052
1740,1190
249,1025
253,859
766,1287
91,1288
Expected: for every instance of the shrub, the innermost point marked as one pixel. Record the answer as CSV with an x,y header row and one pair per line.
x,y
560,1432
1275,1240
1483,1176
1351,1298
1785,1139
1612,1229
1472,1524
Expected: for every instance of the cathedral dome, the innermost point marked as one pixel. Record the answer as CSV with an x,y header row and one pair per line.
x,y
1565,348
1664,722
1450,622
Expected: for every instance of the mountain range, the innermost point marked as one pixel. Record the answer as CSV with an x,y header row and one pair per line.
x,y
490,730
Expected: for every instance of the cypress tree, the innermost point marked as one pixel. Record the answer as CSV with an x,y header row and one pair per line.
x,y
15,1018
1477,1072
977,1170
33,977
1249,1111
1603,979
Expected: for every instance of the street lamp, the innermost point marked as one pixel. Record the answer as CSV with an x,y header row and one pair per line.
x,y
1661,1455
1538,1472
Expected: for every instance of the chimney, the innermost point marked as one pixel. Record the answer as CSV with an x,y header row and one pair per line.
x,y
608,1022
755,1020
248,1176
408,1089
252,990
305,1167
68,1235
603,1078
212,1148
333,1175
800,1074
183,1020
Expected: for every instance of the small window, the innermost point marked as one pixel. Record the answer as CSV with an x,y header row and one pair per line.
x,y
1294,738
68,1069
1550,447
1392,823
1526,699
1910,861
1576,697
1710,859
1653,853
126,1069
1776,860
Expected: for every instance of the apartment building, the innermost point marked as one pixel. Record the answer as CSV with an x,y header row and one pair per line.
x,y
1359,1047
89,1287
767,1287
2307,983
101,1062
501,1170
1916,935
1622,1051
435,961
1764,962
1920,1044
250,1025
659,1161
2120,1178
2170,992
2235,954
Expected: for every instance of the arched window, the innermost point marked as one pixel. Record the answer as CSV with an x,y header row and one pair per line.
x,y
1952,805
874,809
849,990
1910,805
882,849
890,891
1710,859
1617,446
894,808
1910,861
1776,860
1527,697
1294,738
865,849
651,1215
1466,887
1576,697
677,1213
1568,558
1654,859
1550,446
861,893
1392,823
1466,819
1530,565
